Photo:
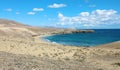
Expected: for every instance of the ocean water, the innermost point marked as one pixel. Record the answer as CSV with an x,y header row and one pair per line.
x,y
99,37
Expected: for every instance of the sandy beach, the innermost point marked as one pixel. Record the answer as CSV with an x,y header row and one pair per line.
x,y
21,48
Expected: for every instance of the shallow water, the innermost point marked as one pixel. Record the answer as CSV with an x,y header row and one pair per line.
x,y
100,36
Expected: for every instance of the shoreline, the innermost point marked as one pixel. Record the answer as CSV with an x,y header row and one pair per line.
x,y
98,46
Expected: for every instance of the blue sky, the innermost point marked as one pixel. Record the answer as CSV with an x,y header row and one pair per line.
x,y
63,13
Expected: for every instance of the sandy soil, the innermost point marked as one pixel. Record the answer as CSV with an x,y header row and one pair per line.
x,y
35,54
21,48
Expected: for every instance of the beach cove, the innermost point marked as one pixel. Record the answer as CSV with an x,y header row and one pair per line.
x,y
22,48
98,37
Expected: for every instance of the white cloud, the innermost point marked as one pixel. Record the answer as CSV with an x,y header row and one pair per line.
x,y
57,5
97,17
38,9
35,10
17,12
8,10
31,13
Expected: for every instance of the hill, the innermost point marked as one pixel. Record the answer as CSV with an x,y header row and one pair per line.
x,y
11,28
10,23
16,29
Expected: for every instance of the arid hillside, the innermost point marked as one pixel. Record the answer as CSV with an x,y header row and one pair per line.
x,y
12,29
10,23
22,48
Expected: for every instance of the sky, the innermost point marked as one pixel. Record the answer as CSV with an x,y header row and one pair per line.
x,y
83,14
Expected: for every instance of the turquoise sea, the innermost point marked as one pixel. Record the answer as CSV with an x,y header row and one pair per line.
x,y
99,37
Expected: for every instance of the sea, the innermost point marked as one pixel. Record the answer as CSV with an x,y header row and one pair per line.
x,y
99,37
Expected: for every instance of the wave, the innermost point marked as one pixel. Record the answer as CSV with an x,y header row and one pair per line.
x,y
47,40
54,42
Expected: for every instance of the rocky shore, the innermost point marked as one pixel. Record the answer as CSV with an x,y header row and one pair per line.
x,y
69,31
22,49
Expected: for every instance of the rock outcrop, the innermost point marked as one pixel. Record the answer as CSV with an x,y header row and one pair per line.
x,y
69,31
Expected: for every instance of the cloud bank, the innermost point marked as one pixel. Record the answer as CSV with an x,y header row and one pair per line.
x,y
57,5
96,17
